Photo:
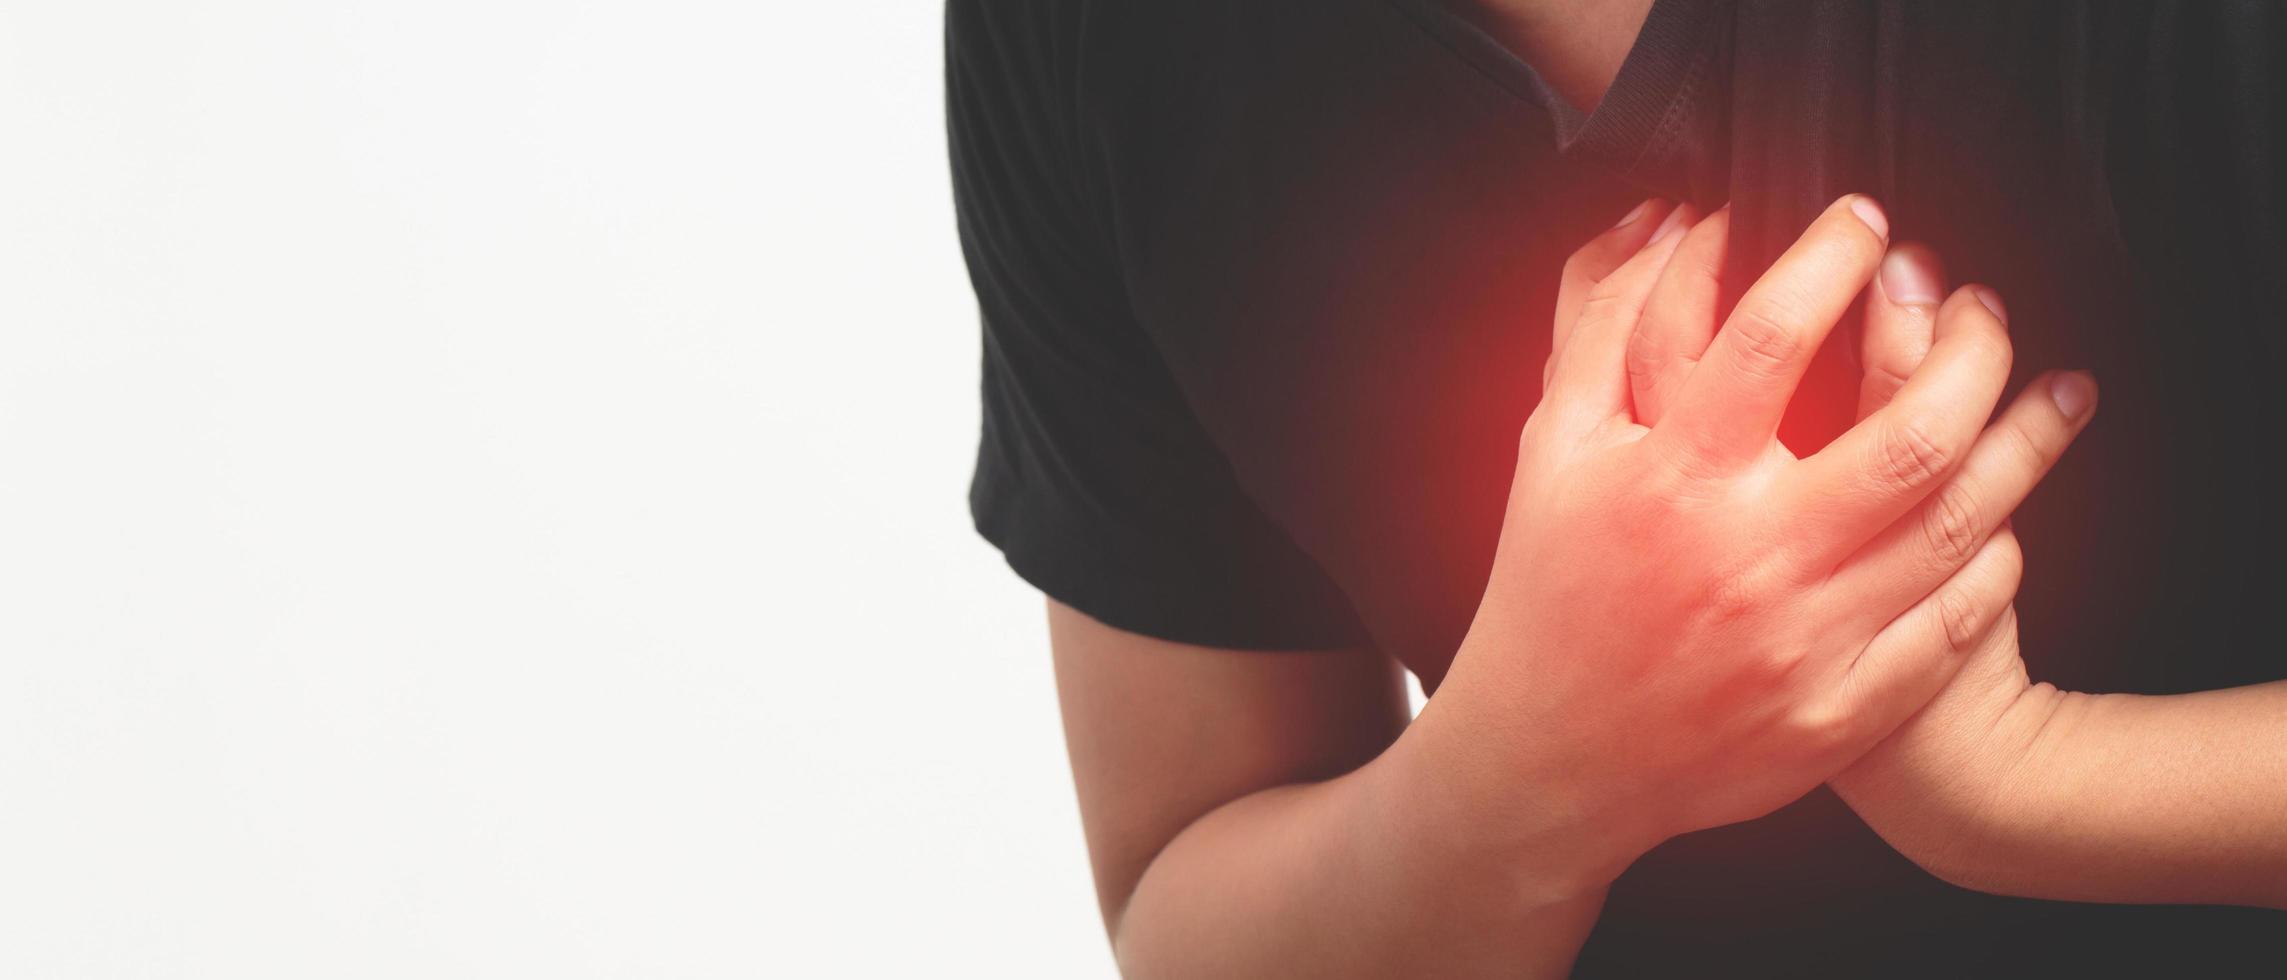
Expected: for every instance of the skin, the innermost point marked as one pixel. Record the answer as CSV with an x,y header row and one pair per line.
x,y
1257,814
1576,46
1685,626
2000,784
2008,786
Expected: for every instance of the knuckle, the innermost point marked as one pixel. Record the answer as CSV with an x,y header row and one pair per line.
x,y
1762,342
1771,669
1646,357
1734,596
2031,453
1603,303
1824,724
1887,374
1950,525
1878,390
1744,589
1961,615
1689,469
1706,269
1910,457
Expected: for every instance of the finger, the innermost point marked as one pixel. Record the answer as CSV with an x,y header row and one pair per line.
x,y
1869,476
1589,376
1593,262
1728,410
1913,657
1679,318
1927,546
1901,322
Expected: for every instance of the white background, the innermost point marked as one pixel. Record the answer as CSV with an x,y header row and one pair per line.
x,y
482,495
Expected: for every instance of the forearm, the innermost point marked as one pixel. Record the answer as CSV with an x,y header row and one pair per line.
x,y
1362,875
2129,798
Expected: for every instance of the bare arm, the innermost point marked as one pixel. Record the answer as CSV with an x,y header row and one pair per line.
x,y
2133,798
1680,630
2022,789
1249,815
2003,785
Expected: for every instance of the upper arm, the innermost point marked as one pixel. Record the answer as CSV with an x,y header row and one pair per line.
x,y
1101,487
1162,733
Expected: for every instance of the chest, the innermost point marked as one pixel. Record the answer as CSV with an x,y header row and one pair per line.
x,y
1352,283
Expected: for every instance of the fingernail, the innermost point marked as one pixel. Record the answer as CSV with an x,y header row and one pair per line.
x,y
1871,213
1668,227
1992,301
2073,392
1910,278
1641,209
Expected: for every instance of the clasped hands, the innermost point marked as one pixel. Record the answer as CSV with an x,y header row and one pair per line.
x,y
1686,625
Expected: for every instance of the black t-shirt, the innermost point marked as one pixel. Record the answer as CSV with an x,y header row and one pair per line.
x,y
1266,288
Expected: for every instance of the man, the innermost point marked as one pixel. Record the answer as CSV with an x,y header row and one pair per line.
x,y
1264,286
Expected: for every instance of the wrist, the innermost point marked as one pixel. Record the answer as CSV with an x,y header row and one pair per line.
x,y
2011,796
1953,787
1522,833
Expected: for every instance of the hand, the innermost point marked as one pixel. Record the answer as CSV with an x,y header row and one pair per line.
x,y
1933,782
1946,773
1685,624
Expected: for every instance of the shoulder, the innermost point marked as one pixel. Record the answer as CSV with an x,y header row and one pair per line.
x,y
1110,59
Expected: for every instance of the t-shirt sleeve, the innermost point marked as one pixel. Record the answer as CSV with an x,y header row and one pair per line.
x,y
1093,477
